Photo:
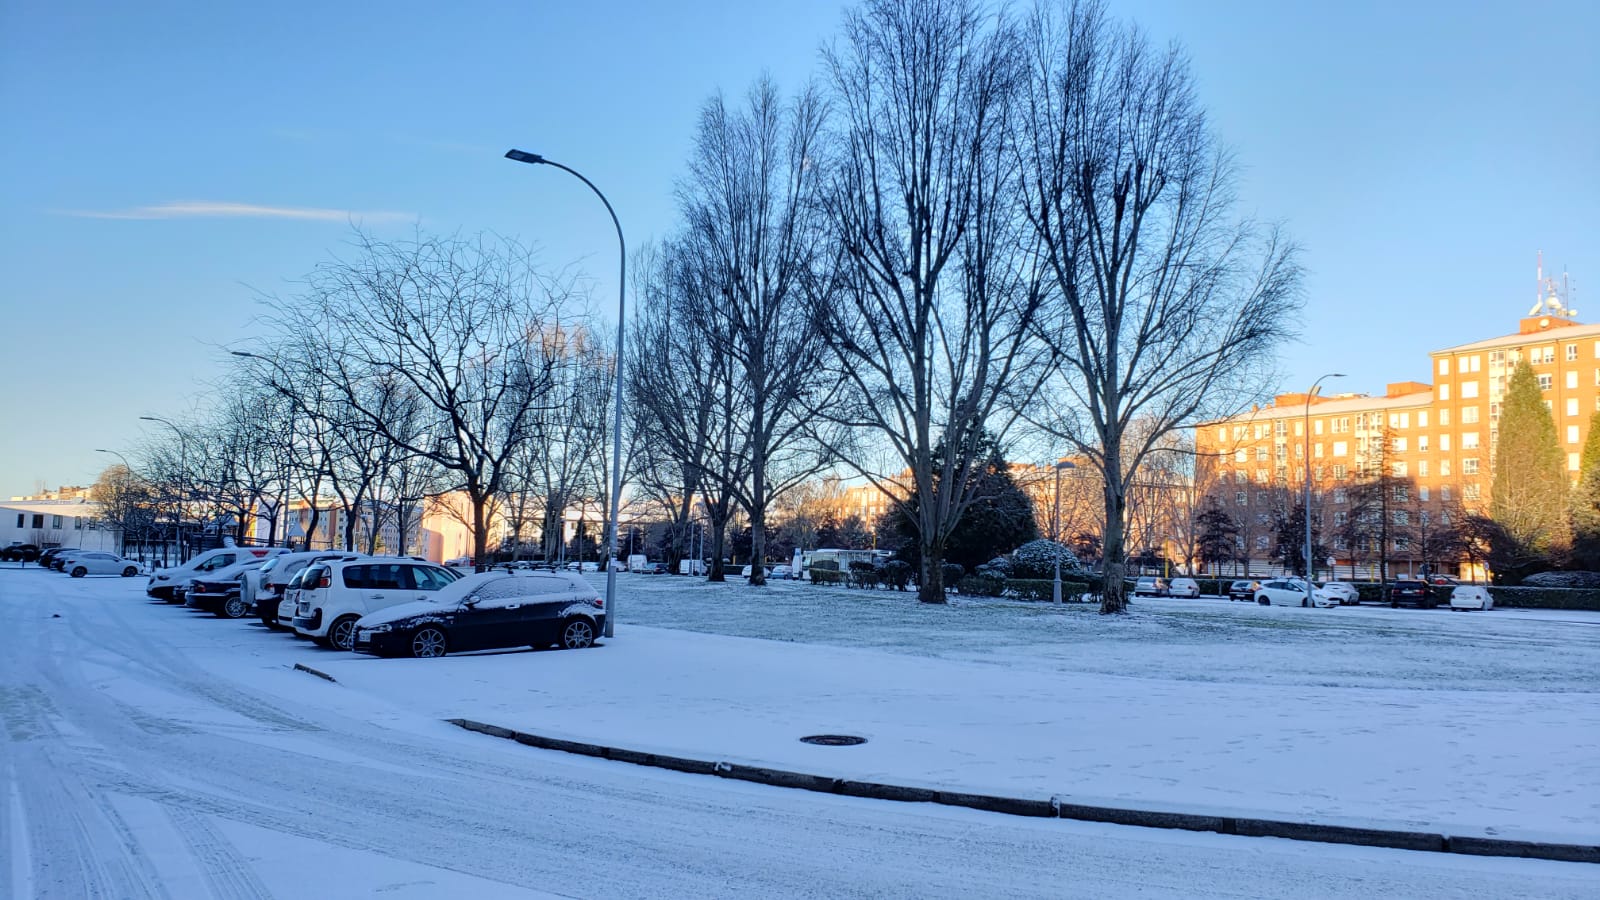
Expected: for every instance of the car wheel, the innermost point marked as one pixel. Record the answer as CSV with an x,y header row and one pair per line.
x,y
79,571
577,634
129,572
1261,600
428,643
234,608
342,633
1304,603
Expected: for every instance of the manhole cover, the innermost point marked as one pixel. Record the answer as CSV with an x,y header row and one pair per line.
x,y
833,740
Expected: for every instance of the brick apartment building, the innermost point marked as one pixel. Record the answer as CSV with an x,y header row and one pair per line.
x,y
1435,442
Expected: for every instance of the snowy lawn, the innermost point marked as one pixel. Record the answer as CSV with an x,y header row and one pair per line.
x,y
1469,723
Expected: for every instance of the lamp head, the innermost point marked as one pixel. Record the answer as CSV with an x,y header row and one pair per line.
x,y
1065,464
244,353
524,156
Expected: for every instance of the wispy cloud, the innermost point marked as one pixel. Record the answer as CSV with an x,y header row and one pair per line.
x,y
213,209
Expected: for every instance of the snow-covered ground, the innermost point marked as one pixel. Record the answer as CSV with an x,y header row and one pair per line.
x,y
151,751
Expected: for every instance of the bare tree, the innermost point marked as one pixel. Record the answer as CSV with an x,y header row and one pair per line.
x,y
1165,307
934,309
457,322
750,206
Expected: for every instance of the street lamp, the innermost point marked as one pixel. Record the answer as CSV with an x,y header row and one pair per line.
x,y
1056,550
183,476
616,428
1309,395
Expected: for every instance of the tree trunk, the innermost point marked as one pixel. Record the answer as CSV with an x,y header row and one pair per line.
x,y
1113,588
480,534
718,527
758,518
930,584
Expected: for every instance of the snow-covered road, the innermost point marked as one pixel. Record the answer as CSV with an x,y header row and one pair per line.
x,y
150,751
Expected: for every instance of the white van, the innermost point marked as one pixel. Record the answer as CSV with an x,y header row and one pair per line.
x,y
166,583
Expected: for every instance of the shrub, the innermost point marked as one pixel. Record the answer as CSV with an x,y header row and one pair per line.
x,y
1037,559
952,574
1563,580
982,585
1000,566
826,571
1045,588
863,574
1546,598
897,574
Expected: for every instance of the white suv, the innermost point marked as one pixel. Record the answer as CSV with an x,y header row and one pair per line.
x,y
335,593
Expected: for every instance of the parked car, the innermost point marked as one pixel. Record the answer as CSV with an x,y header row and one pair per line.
x,y
583,567
1151,587
1443,580
99,562
275,574
1184,587
48,556
222,591
486,611
166,583
1471,596
1343,592
20,553
1290,592
783,571
1243,590
748,570
1411,591
335,593
291,599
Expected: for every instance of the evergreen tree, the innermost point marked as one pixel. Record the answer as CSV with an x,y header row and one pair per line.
x,y
1218,535
1586,503
999,520
1529,500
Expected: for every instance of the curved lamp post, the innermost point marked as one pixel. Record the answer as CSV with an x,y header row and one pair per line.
x,y
616,427
1309,394
1056,551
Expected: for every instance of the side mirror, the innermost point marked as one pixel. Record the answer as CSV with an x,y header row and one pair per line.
x,y
470,602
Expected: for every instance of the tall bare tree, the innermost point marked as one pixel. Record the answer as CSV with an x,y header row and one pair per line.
x,y
1165,306
750,205
934,309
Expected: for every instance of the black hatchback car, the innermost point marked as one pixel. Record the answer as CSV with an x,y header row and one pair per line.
x,y
1243,590
486,611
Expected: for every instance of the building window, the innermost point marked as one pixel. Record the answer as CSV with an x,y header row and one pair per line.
x,y
1572,434
1341,425
1261,518
1261,453
1422,472
1261,476
1469,440
1549,354
1444,418
1444,443
1338,473
77,523
1544,382
1316,427
1339,518
1261,498
1444,472
1339,496
21,518
1341,448
1241,497
1316,450
1444,392
1572,379
1444,364
38,520
1399,445
55,521
1261,542
1401,517
1470,492
1222,434
1469,415
1280,428
1572,352
1469,466
1469,390
1422,494
1572,406
1318,472
1422,443
1399,469
1572,462
1241,455
1241,477
1299,428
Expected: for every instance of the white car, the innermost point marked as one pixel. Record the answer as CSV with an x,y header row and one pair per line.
x,y
1290,592
167,583
1471,596
272,582
1183,587
336,593
99,562
1343,592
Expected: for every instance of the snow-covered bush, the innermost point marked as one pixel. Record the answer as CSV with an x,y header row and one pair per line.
x,y
999,567
1563,579
1037,559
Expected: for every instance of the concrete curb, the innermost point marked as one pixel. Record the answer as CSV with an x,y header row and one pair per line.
x,y
1056,807
300,667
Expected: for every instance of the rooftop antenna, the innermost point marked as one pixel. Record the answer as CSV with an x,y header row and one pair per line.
x,y
1538,287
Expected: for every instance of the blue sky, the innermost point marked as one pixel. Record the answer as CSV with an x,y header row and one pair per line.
x,y
165,164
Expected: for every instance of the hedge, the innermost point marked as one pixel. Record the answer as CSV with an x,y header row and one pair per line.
x,y
981,586
1044,589
1546,598
826,571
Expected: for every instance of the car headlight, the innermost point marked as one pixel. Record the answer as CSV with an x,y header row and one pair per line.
x,y
377,629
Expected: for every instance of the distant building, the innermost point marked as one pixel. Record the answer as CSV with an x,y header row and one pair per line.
x,y
55,523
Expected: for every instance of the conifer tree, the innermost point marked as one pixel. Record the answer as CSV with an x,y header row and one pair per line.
x,y
1530,496
1586,503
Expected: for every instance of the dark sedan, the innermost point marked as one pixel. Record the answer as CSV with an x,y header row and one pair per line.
x,y
1243,590
220,597
20,553
486,611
